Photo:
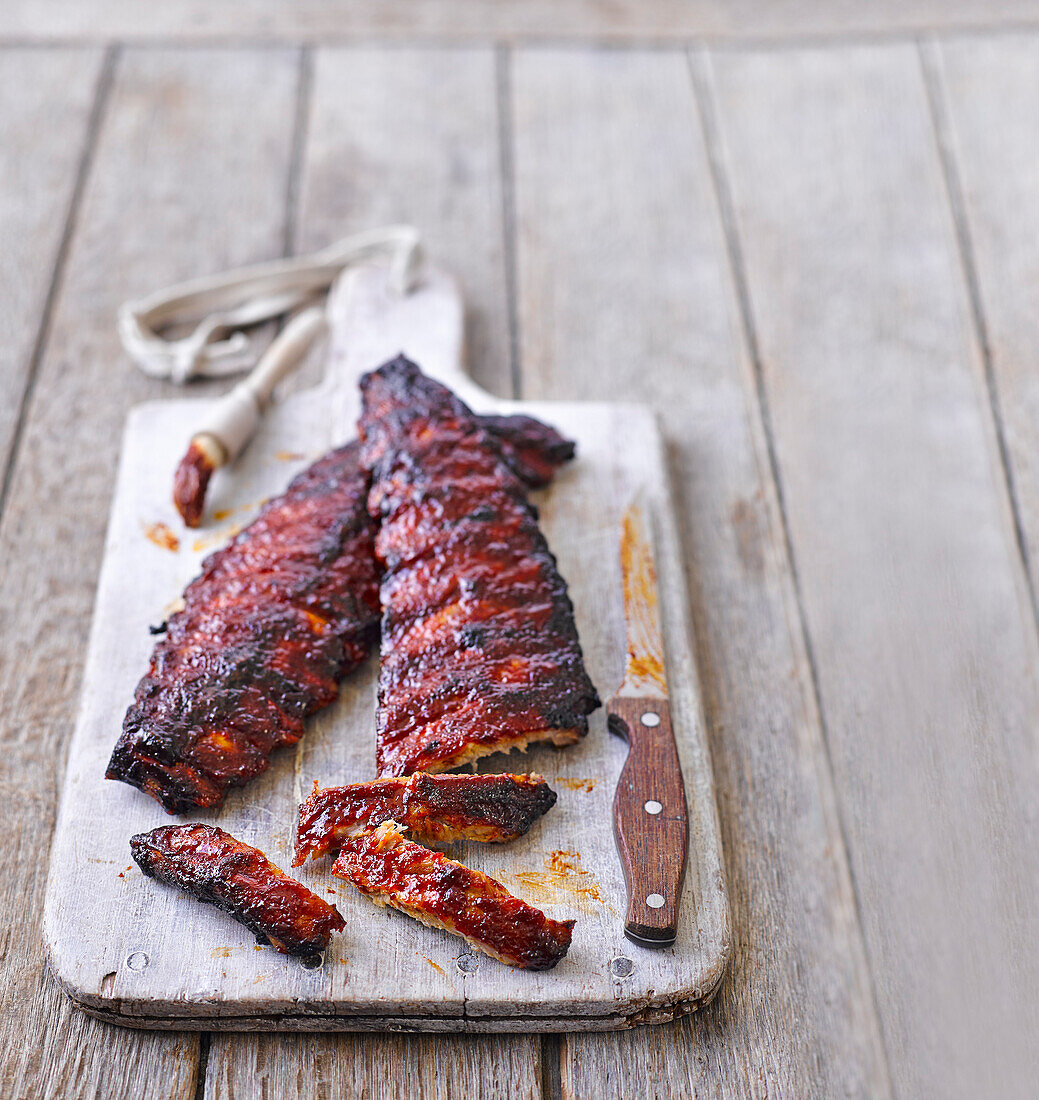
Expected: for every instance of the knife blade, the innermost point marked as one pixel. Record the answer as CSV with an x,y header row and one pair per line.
x,y
649,808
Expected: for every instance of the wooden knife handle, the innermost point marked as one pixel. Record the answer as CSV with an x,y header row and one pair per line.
x,y
650,819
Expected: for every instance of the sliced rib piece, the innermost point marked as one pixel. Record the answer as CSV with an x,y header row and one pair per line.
x,y
276,618
433,808
479,648
428,886
216,868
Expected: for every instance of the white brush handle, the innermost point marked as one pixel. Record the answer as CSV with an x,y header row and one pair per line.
x,y
285,354
234,420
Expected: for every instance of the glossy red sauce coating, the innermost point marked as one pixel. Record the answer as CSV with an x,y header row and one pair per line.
x,y
216,868
435,808
274,621
532,449
435,889
479,646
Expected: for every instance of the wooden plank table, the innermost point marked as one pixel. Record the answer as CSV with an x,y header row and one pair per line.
x,y
819,262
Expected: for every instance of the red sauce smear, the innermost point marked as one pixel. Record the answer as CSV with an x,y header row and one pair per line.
x,y
162,536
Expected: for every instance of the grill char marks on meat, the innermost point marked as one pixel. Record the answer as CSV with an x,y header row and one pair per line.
x,y
214,867
273,622
479,648
532,449
433,808
428,886
276,618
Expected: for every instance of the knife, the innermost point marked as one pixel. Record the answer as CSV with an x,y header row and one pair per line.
x,y
649,809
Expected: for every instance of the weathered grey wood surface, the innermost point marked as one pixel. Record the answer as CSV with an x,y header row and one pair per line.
x,y
45,103
776,791
408,135
996,175
372,1066
914,593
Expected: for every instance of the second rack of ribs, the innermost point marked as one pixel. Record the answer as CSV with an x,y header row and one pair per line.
x,y
479,647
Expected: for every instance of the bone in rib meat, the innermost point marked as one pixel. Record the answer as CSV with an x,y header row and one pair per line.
x,y
433,808
428,886
479,647
216,868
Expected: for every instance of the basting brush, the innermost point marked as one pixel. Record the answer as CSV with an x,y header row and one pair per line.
x,y
235,418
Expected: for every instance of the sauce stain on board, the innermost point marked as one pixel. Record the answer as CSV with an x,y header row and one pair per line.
x,y
576,783
220,514
645,662
751,533
563,882
438,969
220,953
161,535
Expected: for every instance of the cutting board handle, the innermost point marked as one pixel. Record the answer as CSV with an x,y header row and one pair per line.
x,y
371,321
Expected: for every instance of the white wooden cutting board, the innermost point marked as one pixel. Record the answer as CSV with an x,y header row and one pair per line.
x,y
131,950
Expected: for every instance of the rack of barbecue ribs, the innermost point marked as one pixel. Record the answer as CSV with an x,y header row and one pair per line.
x,y
267,630
391,870
275,620
215,868
479,648
433,808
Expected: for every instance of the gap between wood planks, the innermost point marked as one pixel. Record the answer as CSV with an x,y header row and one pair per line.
x,y
204,1041
551,1077
930,64
102,93
506,146
700,75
